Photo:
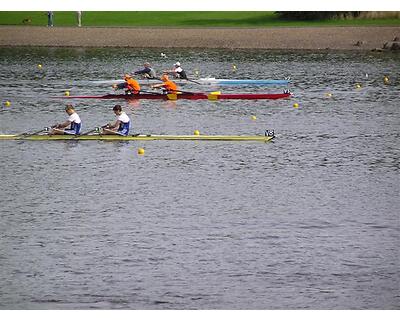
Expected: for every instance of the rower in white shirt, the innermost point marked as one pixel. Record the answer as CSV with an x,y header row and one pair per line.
x,y
74,123
121,126
177,71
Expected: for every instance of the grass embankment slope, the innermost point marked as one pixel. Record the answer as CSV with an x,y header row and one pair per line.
x,y
257,19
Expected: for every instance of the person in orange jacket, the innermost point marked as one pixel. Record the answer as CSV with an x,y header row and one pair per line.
x,y
168,85
130,85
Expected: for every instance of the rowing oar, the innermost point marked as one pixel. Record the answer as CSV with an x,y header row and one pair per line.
x,y
45,129
192,81
25,135
151,92
190,92
90,131
210,96
173,95
159,93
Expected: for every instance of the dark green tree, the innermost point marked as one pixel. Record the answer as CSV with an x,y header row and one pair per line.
x,y
316,15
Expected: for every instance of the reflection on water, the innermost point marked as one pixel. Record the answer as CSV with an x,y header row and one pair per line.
x,y
309,221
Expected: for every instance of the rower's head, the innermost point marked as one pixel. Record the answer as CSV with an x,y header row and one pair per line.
x,y
117,109
146,64
177,64
69,109
127,76
164,77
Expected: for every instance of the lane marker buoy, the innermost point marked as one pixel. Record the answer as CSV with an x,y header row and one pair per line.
x,y
386,80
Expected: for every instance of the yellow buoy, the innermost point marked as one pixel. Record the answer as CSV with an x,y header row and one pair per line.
x,y
7,103
295,105
39,66
140,151
66,93
253,118
196,72
234,68
358,86
386,80
196,132
329,95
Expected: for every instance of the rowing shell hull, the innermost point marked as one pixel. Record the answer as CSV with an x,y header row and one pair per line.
x,y
238,82
135,138
185,96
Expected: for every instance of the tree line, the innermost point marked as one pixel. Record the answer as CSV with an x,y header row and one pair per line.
x,y
317,15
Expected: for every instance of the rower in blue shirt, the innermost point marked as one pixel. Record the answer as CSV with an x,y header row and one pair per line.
x,y
148,72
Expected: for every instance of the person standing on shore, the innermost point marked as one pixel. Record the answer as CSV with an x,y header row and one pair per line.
x,y
50,19
177,71
147,72
79,18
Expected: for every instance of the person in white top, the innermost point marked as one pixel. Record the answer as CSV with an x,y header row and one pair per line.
x,y
79,18
177,71
121,126
74,123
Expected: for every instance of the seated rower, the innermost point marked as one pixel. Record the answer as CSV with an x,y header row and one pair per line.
x,y
167,85
177,71
147,72
73,121
130,85
121,126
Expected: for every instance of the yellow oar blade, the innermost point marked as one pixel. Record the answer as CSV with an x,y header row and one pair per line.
x,y
213,95
172,96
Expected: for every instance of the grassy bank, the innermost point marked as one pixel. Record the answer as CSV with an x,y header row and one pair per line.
x,y
177,19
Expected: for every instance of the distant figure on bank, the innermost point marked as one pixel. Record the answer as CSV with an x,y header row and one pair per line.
x,y
177,71
50,19
121,126
147,72
79,18
73,121
130,85
168,86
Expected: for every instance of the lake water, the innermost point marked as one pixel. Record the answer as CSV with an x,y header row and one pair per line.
x,y
310,221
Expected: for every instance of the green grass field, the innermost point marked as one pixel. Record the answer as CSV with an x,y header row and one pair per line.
x,y
176,19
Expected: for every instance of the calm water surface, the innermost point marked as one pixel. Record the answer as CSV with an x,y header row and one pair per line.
x,y
310,221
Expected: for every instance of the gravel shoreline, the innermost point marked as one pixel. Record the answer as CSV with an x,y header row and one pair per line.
x,y
306,38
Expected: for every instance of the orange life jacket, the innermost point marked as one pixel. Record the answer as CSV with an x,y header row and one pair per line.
x,y
170,86
132,85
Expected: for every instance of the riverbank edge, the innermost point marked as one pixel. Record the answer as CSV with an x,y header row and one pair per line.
x,y
290,38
